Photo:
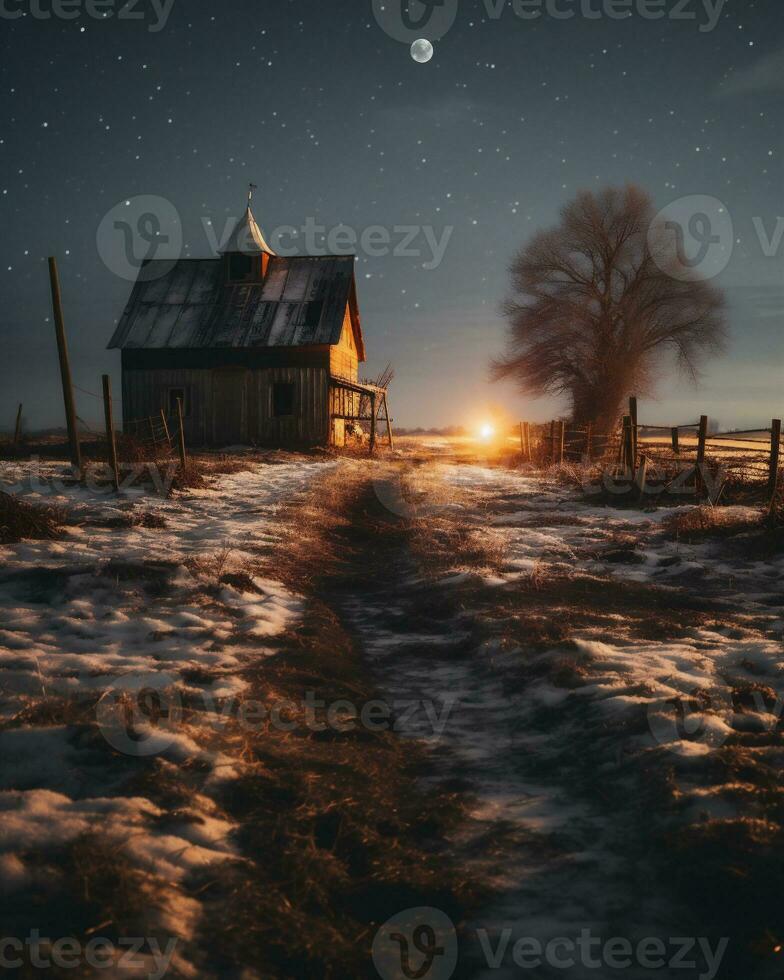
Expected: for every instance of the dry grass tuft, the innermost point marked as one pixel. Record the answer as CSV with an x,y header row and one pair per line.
x,y
700,523
19,520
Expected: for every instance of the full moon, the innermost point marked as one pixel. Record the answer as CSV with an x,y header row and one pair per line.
x,y
422,50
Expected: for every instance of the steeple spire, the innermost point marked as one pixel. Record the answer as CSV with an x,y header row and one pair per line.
x,y
247,237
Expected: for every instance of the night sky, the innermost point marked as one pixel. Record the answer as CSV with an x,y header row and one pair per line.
x,y
334,121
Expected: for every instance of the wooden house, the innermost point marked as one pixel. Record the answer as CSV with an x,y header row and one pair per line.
x,y
260,349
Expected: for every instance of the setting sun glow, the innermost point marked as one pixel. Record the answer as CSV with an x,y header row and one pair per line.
x,y
486,431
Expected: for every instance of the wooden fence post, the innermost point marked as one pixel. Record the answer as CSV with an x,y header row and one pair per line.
x,y
561,443
18,426
589,440
65,366
775,452
702,438
166,427
389,424
372,421
552,441
522,439
633,417
109,420
627,447
528,441
676,445
641,476
180,433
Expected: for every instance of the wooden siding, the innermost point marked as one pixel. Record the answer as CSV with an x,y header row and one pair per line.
x,y
234,405
343,357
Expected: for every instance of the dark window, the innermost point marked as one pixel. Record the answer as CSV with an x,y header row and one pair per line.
x,y
282,399
311,315
174,394
240,266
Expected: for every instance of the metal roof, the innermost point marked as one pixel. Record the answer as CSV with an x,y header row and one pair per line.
x,y
301,301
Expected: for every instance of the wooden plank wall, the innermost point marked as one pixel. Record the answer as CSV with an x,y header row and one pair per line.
x,y
234,405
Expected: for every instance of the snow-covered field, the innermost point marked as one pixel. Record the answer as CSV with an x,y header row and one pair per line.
x,y
561,741
131,598
583,672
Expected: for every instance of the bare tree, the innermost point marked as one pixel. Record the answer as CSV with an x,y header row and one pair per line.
x,y
598,303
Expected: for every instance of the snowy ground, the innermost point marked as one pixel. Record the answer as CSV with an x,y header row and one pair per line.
x,y
581,674
558,740
131,597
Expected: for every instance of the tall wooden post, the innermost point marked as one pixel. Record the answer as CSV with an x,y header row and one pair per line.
x,y
180,433
65,365
18,426
372,421
676,445
110,438
522,439
702,438
775,453
561,442
552,441
528,442
389,423
627,446
633,417
589,441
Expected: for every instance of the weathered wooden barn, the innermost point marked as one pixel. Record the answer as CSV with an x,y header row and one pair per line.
x,y
261,349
